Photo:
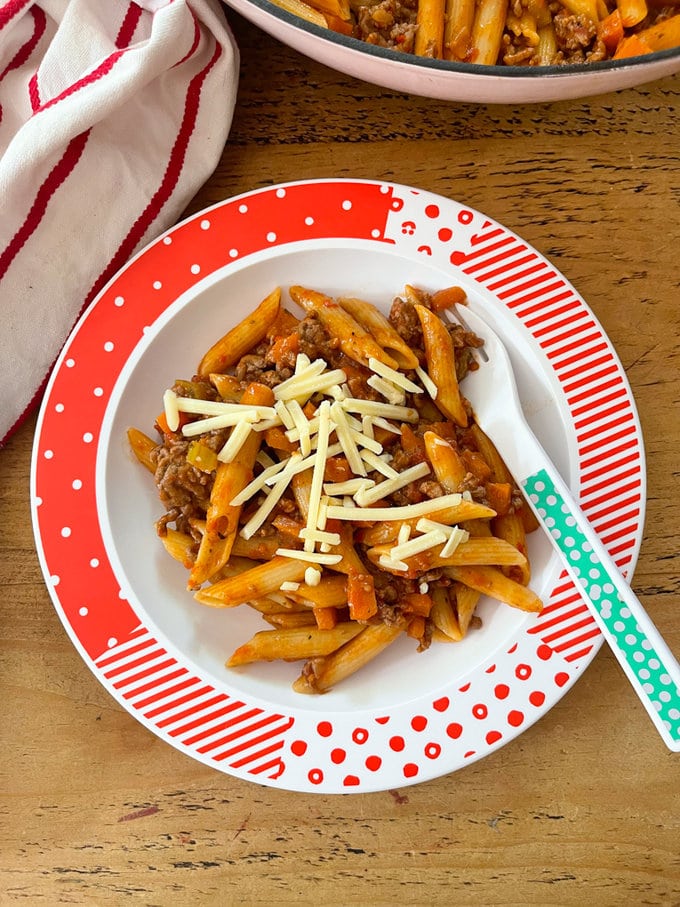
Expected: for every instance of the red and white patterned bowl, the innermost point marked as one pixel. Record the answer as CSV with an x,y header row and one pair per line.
x,y
406,717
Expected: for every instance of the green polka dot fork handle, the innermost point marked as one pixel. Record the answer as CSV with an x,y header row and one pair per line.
x,y
640,649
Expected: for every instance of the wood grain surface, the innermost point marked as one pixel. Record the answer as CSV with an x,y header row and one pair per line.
x,y
582,808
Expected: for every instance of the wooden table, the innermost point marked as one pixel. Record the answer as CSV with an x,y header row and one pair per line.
x,y
584,806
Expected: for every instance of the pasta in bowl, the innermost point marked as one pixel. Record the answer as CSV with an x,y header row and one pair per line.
x,y
327,472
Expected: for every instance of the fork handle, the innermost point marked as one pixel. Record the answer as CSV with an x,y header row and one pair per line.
x,y
642,652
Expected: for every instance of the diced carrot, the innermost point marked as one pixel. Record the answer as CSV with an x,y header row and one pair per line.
x,y
276,438
361,596
632,46
610,31
309,409
447,297
337,470
499,496
476,464
418,603
163,427
284,349
326,618
416,628
413,445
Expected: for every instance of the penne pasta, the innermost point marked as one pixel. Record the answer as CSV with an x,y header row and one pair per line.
x,y
354,341
446,462
258,582
491,581
222,518
430,29
444,616
373,320
240,339
487,31
293,644
141,446
441,365
346,503
325,673
483,550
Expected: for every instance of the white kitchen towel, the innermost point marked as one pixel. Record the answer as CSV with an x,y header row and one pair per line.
x,y
112,115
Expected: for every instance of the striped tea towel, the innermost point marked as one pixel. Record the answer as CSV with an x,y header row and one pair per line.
x,y
112,115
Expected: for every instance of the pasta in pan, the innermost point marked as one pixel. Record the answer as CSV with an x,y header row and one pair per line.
x,y
326,471
502,32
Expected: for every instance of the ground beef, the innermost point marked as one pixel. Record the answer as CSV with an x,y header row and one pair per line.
x,y
575,36
315,342
404,319
183,489
387,23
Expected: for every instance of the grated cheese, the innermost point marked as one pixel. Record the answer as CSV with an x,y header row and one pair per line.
x,y
266,507
235,442
393,376
454,534
303,427
258,483
311,381
351,486
314,557
417,545
428,383
455,539
212,423
391,514
364,441
312,576
319,465
219,407
404,534
376,408
388,486
344,436
289,587
379,422
282,412
389,564
317,535
304,463
171,409
380,465
391,393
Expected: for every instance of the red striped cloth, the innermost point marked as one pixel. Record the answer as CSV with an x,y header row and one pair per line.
x,y
112,115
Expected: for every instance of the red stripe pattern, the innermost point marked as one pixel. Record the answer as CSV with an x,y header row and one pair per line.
x,y
168,183
25,51
57,176
190,712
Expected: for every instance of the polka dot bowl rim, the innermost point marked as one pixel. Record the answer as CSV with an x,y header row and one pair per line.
x,y
164,666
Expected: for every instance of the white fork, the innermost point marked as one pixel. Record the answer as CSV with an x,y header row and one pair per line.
x,y
626,626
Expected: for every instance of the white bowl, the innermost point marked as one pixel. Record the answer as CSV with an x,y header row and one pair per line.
x,y
448,81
